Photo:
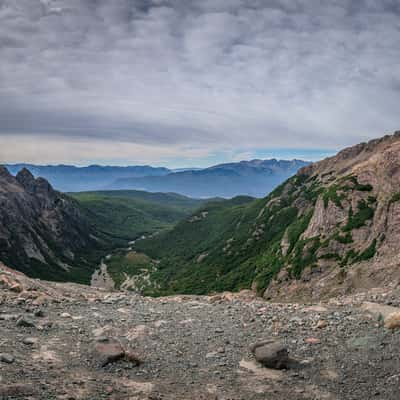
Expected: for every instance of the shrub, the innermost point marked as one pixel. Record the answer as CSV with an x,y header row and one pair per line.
x,y
395,198
368,253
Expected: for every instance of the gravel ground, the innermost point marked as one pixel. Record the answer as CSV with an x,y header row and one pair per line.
x,y
195,348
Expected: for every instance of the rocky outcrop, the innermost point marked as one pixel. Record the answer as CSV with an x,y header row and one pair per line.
x,y
351,240
41,230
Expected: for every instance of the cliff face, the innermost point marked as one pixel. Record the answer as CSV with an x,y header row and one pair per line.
x,y
40,229
352,238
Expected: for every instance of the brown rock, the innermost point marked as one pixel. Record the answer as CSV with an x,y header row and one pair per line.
x,y
392,321
133,358
43,299
312,340
107,351
321,324
10,284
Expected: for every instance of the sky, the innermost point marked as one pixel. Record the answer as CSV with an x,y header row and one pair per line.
x,y
194,82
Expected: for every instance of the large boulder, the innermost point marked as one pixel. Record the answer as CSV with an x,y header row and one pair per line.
x,y
107,350
271,354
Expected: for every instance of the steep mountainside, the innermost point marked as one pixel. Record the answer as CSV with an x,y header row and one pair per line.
x,y
41,230
333,227
69,178
253,178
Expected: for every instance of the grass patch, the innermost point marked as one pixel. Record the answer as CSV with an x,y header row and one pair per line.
x,y
358,219
395,198
331,193
304,257
131,263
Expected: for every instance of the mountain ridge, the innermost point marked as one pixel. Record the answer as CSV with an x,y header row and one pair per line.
x,y
221,180
68,178
331,227
253,178
41,230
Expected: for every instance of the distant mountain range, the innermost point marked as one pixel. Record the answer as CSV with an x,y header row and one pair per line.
x,y
69,178
253,178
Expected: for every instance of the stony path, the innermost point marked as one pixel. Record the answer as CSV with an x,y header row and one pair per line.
x,y
101,278
192,348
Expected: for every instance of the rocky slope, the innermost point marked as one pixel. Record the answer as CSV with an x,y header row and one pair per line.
x,y
354,232
41,230
66,341
332,228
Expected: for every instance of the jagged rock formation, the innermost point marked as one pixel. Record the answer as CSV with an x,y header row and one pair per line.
x,y
41,230
332,228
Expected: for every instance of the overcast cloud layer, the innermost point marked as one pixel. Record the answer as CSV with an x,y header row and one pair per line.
x,y
129,81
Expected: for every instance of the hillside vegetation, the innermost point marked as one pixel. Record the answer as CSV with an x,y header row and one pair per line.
x,y
308,235
125,215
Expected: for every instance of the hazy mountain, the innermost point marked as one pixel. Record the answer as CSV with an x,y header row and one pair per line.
x,y
254,178
68,178
328,230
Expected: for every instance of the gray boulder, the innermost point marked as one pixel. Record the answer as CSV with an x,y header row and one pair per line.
x,y
271,354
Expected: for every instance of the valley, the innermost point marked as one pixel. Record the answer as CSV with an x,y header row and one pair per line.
x,y
294,295
328,230
122,216
199,200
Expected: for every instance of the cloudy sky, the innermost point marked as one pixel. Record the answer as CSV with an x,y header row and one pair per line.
x,y
194,82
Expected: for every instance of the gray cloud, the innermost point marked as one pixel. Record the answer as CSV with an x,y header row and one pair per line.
x,y
210,75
